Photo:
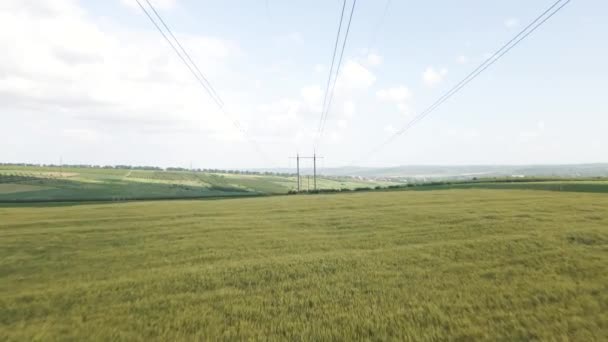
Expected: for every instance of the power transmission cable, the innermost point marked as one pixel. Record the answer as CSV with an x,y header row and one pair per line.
x,y
203,82
374,35
331,94
176,50
325,112
331,69
200,73
528,30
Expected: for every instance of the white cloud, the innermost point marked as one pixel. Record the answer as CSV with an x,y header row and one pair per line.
x,y
462,134
462,59
541,125
355,76
335,137
396,94
282,109
158,4
404,108
102,86
390,129
349,109
103,90
284,119
400,96
532,133
290,38
312,95
528,134
432,77
82,135
374,59
318,68
66,63
511,23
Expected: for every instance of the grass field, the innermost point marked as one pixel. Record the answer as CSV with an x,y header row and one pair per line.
x,y
597,186
462,264
85,184
35,184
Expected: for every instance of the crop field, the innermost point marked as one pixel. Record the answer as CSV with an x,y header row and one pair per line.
x,y
460,264
597,186
81,184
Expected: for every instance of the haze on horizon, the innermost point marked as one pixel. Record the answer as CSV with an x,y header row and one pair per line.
x,y
94,83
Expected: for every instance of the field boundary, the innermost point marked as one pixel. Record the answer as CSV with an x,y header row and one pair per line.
x,y
134,199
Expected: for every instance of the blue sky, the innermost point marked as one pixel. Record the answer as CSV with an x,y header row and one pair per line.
x,y
93,82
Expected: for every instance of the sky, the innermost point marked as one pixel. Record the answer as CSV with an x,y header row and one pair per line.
x,y
93,82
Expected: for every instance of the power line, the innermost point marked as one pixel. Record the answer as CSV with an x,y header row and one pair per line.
x,y
203,81
200,73
325,109
523,34
331,69
374,35
175,49
331,94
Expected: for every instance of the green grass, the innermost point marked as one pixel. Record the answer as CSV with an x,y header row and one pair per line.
x,y
84,184
404,265
599,186
70,190
12,188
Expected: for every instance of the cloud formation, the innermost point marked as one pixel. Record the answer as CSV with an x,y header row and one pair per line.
x,y
399,96
65,63
374,59
158,4
396,94
353,75
432,77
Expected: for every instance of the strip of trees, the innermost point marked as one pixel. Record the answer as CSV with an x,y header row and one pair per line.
x,y
150,168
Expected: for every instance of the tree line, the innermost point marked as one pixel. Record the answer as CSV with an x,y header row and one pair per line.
x,y
152,168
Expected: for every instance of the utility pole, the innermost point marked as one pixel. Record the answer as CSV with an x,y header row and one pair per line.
x,y
314,160
314,163
297,158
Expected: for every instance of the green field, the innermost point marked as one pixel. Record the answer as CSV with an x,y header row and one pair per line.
x,y
40,184
24,184
464,264
567,185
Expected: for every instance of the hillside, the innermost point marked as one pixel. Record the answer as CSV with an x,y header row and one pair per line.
x,y
465,172
29,183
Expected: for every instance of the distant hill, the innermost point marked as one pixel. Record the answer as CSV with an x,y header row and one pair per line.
x,y
466,171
